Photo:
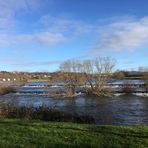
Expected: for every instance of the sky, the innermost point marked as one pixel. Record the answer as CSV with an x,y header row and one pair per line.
x,y
38,35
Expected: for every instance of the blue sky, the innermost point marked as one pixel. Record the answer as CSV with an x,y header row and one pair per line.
x,y
37,35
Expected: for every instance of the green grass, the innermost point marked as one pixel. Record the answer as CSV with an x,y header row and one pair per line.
x,y
38,134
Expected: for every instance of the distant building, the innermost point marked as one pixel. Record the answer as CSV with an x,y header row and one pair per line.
x,y
4,79
45,76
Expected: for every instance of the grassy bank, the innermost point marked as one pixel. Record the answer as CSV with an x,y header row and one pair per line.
x,y
25,133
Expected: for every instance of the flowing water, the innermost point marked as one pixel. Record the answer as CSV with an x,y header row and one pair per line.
x,y
119,110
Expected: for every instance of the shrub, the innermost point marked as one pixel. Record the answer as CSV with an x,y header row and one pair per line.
x,y
6,89
43,113
127,88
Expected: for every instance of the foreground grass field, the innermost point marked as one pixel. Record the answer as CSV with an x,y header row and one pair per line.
x,y
23,133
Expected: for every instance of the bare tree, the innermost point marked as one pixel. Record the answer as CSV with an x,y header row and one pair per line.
x,y
145,78
70,69
144,72
98,72
88,71
93,73
119,74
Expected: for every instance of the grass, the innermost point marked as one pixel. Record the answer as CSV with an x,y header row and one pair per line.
x,y
38,134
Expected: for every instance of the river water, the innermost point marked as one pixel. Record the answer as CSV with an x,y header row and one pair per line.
x,y
118,110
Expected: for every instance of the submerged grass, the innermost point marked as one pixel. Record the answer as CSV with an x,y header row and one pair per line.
x,y
35,133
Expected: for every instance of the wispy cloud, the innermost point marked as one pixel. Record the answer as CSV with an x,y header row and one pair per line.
x,y
45,63
124,34
64,25
10,8
47,37
41,38
47,31
10,26
36,64
7,60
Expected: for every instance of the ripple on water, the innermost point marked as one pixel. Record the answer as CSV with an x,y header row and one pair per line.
x,y
126,110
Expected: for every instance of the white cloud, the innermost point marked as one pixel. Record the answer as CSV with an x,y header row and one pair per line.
x,y
49,38
47,30
9,9
68,27
45,38
51,32
127,34
42,38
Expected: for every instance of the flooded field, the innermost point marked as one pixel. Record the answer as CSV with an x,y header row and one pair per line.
x,y
119,110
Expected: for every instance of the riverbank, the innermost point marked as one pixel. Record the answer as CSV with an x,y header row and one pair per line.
x,y
33,133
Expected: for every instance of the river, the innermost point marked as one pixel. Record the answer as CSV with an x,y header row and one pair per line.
x,y
117,110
